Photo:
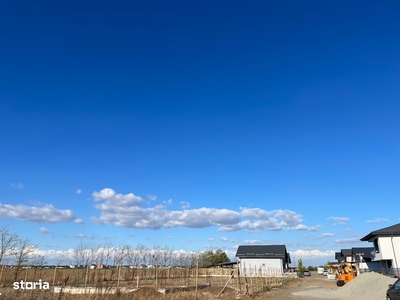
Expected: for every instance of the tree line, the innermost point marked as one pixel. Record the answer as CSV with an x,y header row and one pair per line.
x,y
19,251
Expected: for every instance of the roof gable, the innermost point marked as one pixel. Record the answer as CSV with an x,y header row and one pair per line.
x,y
365,252
346,252
262,251
339,256
387,231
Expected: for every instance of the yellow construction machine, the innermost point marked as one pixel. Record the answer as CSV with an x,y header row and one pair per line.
x,y
346,272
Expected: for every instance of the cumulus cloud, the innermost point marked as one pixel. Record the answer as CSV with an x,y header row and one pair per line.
x,y
45,213
339,220
184,205
257,219
112,198
152,197
211,239
325,235
223,238
168,202
157,217
127,211
313,253
79,191
211,247
377,220
80,236
252,242
304,227
348,241
79,221
43,230
17,186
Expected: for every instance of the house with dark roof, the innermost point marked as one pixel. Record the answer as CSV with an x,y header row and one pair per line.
x,y
346,253
386,242
270,260
339,257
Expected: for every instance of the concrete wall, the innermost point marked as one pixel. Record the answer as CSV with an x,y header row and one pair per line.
x,y
267,267
389,249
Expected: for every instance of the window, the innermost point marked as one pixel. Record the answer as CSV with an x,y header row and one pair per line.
x,y
376,246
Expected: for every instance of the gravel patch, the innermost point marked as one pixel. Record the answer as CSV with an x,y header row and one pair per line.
x,y
369,286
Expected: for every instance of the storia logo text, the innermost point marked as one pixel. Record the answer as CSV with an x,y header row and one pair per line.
x,y
31,285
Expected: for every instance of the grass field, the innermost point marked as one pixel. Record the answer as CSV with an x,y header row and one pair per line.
x,y
177,283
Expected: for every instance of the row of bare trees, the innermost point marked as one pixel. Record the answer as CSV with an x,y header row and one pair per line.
x,y
18,251
123,254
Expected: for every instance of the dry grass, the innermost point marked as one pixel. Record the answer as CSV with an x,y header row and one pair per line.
x,y
150,281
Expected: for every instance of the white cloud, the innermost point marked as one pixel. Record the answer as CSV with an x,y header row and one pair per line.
x,y
152,197
348,241
126,211
79,221
257,219
46,213
112,198
211,247
304,227
184,204
132,216
211,239
17,186
44,230
339,220
377,220
223,238
300,253
252,242
169,202
326,234
80,236
79,191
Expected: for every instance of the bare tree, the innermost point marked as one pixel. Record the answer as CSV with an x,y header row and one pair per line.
x,y
37,261
60,258
166,256
84,254
8,241
143,254
133,257
22,252
192,258
108,248
120,254
155,255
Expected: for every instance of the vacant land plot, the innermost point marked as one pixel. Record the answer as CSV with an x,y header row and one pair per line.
x,y
124,284
368,286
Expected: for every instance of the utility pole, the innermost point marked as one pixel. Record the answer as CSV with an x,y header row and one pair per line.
x,y
394,256
360,256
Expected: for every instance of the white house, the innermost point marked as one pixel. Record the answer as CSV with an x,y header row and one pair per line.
x,y
265,260
386,243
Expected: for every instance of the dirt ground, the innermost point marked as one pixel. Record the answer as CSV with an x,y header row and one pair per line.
x,y
308,283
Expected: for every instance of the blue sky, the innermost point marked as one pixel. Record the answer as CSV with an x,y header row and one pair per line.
x,y
200,125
